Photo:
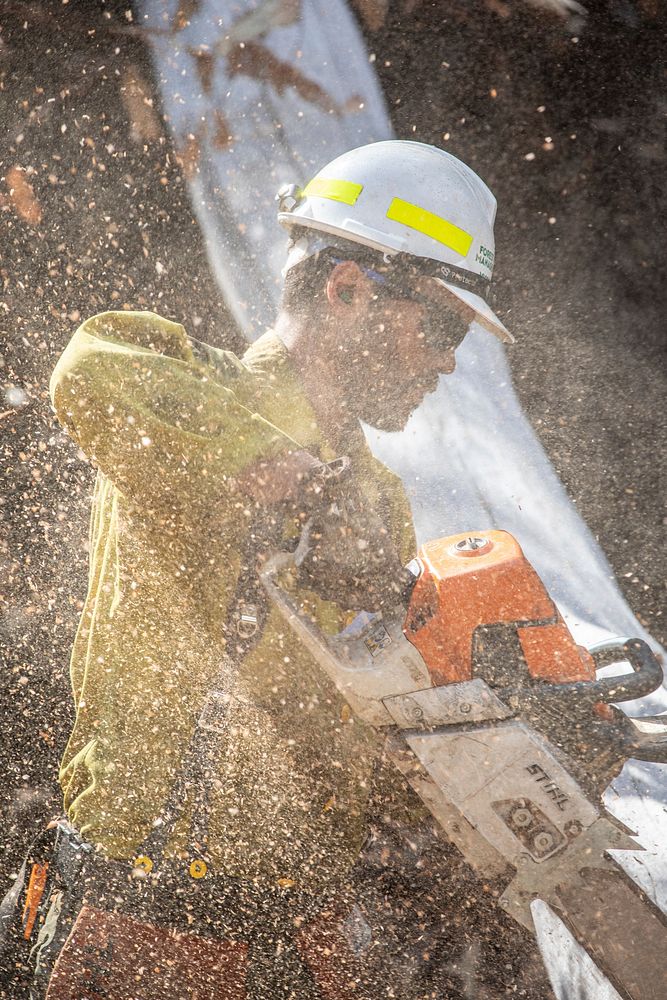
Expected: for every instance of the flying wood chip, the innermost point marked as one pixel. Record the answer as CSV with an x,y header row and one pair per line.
x,y
222,134
137,95
205,65
255,60
372,12
186,11
22,196
188,156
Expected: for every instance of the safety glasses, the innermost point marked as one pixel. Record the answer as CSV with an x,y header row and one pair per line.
x,y
443,329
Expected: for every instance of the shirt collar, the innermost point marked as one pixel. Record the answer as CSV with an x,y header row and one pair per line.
x,y
276,392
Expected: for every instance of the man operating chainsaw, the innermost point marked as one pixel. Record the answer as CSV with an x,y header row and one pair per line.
x,y
216,786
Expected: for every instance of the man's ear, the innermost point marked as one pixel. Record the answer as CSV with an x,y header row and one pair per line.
x,y
343,285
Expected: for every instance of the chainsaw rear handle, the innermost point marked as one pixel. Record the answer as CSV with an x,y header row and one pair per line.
x,y
645,678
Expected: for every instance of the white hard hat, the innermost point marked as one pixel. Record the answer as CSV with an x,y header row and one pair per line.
x,y
407,198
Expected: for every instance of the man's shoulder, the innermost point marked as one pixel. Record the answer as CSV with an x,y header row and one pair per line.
x,y
140,329
225,366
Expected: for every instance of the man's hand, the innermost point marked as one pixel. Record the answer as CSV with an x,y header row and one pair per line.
x,y
346,555
280,480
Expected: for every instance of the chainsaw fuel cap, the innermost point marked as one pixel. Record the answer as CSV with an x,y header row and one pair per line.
x,y
473,545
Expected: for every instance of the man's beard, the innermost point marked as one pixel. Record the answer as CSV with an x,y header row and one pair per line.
x,y
390,410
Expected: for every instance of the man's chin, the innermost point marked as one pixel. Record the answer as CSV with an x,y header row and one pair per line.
x,y
389,420
392,415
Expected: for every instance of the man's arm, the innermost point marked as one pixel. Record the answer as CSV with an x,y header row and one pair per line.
x,y
153,419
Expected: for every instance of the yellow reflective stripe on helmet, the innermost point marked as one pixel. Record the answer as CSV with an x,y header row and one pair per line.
x,y
323,187
431,225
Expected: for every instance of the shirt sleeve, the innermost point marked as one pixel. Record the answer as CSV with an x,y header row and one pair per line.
x,y
155,420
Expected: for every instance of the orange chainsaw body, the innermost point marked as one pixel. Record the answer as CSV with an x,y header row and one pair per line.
x,y
469,581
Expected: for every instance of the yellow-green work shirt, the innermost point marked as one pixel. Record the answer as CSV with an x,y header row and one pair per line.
x,y
169,424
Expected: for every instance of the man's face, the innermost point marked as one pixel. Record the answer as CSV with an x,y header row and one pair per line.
x,y
400,347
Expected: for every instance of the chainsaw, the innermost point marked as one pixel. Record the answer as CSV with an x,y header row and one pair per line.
x,y
496,718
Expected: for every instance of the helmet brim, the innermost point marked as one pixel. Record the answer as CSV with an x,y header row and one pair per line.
x,y
484,314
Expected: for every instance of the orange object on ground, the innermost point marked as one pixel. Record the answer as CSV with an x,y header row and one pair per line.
x,y
36,886
483,579
113,955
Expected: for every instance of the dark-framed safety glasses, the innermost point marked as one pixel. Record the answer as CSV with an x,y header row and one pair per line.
x,y
443,329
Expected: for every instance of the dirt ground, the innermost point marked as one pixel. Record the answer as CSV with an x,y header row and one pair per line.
x,y
563,122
